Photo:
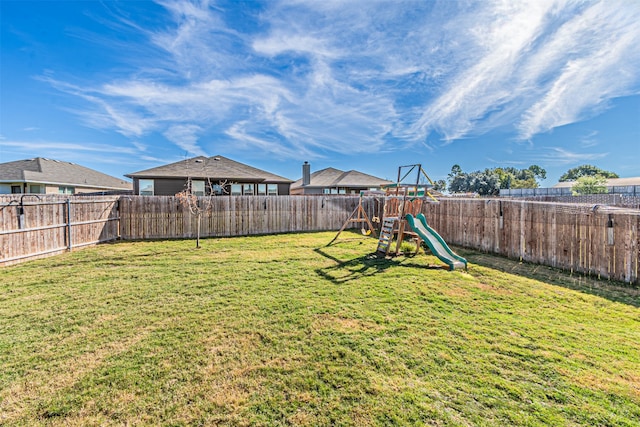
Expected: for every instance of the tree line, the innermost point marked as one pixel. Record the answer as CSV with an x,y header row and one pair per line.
x,y
588,179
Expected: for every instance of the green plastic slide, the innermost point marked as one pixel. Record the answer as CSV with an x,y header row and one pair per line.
x,y
436,244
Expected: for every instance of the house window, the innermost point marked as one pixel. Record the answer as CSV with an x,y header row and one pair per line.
x,y
146,187
247,189
66,190
326,191
35,189
236,189
262,189
216,189
197,188
272,189
16,189
334,191
342,191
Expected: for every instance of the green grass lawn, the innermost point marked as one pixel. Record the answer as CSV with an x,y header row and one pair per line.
x,y
281,330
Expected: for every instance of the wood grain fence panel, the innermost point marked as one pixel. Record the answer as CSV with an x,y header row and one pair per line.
x,y
505,231
537,223
572,237
631,249
514,238
44,227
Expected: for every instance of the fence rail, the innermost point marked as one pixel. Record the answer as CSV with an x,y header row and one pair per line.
x,y
162,217
36,226
590,239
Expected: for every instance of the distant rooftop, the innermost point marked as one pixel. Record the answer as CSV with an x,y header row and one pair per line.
x,y
331,177
215,167
48,171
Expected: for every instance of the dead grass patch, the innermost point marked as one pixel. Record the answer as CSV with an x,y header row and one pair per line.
x,y
342,324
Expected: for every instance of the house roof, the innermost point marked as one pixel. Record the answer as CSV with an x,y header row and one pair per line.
x,y
611,182
47,171
331,177
216,167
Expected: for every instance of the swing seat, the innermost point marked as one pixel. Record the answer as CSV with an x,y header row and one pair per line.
x,y
365,232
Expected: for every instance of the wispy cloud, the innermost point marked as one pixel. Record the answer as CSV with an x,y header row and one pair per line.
x,y
519,163
557,156
596,58
539,65
589,140
185,137
89,154
43,146
314,78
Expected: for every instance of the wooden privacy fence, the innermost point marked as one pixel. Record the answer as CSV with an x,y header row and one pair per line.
x,y
163,217
33,226
590,239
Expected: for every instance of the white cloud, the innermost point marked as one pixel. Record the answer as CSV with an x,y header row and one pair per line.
x,y
244,134
600,59
589,140
514,163
559,156
284,42
348,77
539,65
500,36
42,146
185,137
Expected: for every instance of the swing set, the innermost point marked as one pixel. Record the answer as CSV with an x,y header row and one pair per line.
x,y
359,216
400,199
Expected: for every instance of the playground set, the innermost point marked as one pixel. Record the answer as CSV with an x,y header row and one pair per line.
x,y
403,220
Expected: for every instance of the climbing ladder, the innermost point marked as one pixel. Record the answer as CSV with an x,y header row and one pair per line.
x,y
386,235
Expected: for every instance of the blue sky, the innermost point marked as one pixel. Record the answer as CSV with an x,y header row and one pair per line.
x,y
122,86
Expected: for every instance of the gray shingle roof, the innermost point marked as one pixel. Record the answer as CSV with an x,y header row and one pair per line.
x,y
216,167
331,177
46,171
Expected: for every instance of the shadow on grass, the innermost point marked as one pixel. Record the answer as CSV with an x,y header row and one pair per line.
x,y
363,266
611,290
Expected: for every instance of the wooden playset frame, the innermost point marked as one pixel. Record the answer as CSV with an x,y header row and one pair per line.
x,y
400,200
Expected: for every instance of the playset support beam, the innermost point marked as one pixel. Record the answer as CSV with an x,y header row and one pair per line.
x,y
357,216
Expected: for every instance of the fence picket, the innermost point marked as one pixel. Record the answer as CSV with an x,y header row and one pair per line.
x,y
569,236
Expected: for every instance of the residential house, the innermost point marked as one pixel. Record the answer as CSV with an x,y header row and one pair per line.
x,y
47,176
335,181
218,175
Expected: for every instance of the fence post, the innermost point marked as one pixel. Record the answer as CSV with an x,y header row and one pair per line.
x,y
69,224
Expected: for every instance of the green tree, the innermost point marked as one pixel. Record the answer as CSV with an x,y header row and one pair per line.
x,y
440,185
455,170
511,177
490,181
485,183
586,170
590,185
538,172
